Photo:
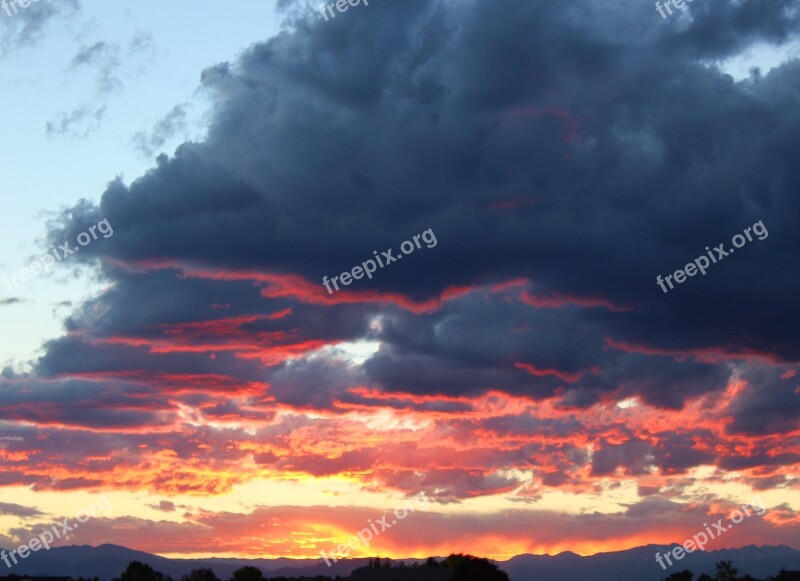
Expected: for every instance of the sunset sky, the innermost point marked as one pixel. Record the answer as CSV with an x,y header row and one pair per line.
x,y
521,367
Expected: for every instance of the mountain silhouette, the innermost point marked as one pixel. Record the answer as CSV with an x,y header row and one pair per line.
x,y
637,564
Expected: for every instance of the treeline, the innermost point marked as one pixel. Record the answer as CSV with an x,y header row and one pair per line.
x,y
137,571
456,567
727,572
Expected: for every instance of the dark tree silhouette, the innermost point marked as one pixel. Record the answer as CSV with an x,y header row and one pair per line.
x,y
784,575
248,574
137,571
726,572
431,563
200,575
684,575
317,578
469,568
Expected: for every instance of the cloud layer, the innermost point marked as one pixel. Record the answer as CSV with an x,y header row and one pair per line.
x,y
564,156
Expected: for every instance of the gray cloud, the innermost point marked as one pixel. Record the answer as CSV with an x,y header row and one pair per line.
x,y
11,509
172,124
21,31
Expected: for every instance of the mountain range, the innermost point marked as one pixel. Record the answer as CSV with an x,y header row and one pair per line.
x,y
636,564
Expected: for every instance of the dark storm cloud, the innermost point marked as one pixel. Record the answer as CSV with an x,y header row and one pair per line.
x,y
312,382
453,485
673,454
432,122
538,143
634,455
770,403
639,164
719,28
479,340
94,405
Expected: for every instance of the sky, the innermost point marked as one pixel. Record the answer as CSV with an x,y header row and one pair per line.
x,y
523,184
